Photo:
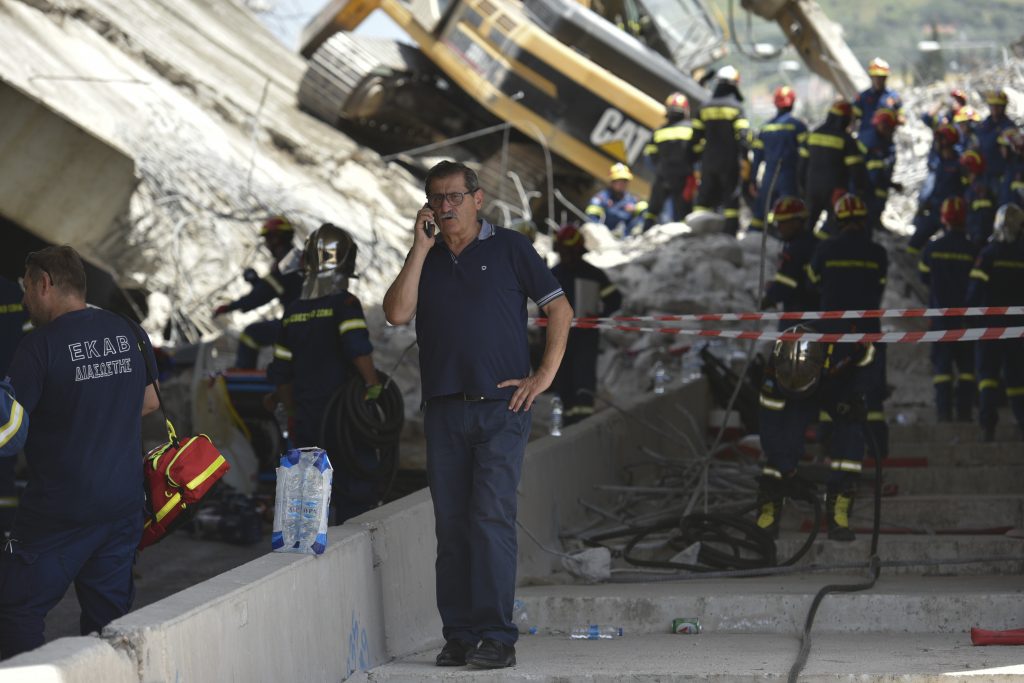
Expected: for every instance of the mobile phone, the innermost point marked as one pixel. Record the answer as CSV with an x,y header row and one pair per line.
x,y
429,227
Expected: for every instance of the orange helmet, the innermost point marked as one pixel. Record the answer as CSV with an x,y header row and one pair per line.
x,y
849,206
569,238
619,172
966,113
841,108
958,95
785,96
788,208
676,103
997,97
946,134
973,162
884,115
878,67
954,211
277,225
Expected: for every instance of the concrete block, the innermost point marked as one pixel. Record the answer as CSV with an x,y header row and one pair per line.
x,y
992,480
931,514
404,550
86,659
281,617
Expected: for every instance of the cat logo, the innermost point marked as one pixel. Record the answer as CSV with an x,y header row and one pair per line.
x,y
620,136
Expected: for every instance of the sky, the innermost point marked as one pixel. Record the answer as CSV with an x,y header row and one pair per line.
x,y
285,19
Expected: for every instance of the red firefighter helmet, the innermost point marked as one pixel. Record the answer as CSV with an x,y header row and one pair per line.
x,y
276,225
946,134
878,67
954,211
973,162
849,206
676,103
569,238
785,96
884,116
787,208
841,108
958,95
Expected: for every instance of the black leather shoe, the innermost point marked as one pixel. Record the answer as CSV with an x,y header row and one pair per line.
x,y
454,653
492,654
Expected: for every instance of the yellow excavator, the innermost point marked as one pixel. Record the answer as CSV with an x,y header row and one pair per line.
x,y
561,88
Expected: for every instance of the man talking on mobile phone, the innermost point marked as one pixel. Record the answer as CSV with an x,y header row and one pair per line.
x,y
466,284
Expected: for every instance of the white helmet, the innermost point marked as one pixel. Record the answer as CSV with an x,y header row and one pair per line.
x,y
1009,224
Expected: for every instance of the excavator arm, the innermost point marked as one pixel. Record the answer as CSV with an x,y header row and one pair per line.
x,y
818,39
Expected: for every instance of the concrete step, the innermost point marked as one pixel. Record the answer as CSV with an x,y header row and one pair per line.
x,y
949,432
730,658
912,548
995,479
935,513
966,454
779,604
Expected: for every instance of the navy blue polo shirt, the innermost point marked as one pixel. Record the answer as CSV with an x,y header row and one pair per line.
x,y
81,379
471,313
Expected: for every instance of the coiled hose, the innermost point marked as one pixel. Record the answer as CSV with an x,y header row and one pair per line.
x,y
366,429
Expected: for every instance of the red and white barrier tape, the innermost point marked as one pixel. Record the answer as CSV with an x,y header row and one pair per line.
x,y
817,315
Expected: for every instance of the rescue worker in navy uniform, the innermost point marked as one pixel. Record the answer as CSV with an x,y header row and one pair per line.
x,y
945,266
13,325
277,233
592,295
987,138
850,272
877,96
879,150
790,285
947,181
323,342
726,138
936,117
1011,149
997,279
981,206
671,151
615,205
778,147
832,163
804,378
83,380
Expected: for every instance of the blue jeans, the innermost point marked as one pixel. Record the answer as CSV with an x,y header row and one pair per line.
x,y
474,457
37,570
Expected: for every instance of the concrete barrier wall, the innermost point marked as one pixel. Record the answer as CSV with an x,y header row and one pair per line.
x,y
370,597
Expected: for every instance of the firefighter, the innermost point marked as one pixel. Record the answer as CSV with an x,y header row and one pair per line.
x,y
831,163
803,378
997,279
790,286
671,151
946,180
322,344
1011,148
936,117
987,133
777,145
13,325
725,140
850,272
615,205
879,150
981,209
592,294
945,266
878,95
277,233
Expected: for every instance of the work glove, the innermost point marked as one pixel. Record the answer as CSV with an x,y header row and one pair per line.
x,y
373,392
221,310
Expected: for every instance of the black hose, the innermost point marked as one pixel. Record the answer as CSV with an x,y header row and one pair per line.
x,y
355,426
873,559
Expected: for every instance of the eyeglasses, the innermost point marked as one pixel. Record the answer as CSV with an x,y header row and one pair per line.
x,y
454,198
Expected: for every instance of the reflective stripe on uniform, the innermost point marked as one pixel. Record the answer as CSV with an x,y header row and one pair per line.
x,y
875,164
951,256
11,308
869,356
8,501
719,113
1007,264
673,133
981,204
771,472
10,429
811,274
608,290
941,379
773,127
351,324
876,416
785,280
923,267
852,159
248,341
826,140
846,465
274,283
966,377
1013,392
282,352
979,274
988,384
882,194
772,403
823,416
731,213
852,263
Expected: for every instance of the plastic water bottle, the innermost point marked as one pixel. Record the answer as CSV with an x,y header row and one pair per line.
x,y
303,499
556,416
692,364
660,378
595,632
521,619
